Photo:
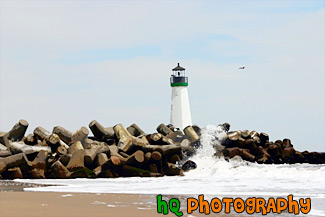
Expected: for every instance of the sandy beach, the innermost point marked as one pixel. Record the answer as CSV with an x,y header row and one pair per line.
x,y
43,204
75,204
14,201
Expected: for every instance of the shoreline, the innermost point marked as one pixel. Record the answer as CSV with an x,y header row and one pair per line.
x,y
14,201
12,185
50,204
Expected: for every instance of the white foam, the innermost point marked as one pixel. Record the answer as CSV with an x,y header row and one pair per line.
x,y
315,212
66,195
145,208
111,205
98,203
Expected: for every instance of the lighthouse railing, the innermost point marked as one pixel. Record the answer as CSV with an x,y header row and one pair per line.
x,y
174,79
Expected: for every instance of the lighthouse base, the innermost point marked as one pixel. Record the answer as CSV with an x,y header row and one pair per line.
x,y
180,108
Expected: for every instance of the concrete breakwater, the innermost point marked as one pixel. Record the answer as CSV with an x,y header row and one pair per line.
x,y
125,152
256,147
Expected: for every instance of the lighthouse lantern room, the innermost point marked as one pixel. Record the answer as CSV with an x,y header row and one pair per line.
x,y
180,107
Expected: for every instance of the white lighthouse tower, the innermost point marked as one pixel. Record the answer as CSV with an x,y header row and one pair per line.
x,y
180,115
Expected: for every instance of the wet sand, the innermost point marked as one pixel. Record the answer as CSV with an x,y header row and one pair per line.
x,y
15,202
44,204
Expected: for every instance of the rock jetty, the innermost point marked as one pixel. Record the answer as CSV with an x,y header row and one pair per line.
x,y
125,152
111,152
256,147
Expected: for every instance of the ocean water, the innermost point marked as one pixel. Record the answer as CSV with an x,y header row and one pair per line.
x,y
214,177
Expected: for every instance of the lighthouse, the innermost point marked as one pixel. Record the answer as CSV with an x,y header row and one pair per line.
x,y
180,115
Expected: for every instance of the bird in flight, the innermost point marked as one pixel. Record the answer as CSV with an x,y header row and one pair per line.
x,y
242,67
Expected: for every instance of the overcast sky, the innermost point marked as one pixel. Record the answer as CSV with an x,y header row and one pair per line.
x,y
70,62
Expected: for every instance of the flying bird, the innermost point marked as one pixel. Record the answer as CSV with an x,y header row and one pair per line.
x,y
243,67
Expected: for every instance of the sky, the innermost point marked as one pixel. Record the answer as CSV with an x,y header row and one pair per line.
x,y
70,62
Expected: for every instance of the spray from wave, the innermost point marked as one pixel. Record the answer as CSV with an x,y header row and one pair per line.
x,y
208,164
